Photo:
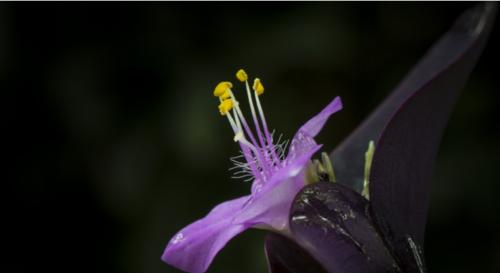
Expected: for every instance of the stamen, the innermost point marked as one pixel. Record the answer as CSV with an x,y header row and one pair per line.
x,y
221,88
225,106
242,118
258,87
243,77
238,123
244,143
260,158
228,102
226,95
258,90
240,138
281,146
233,124
243,121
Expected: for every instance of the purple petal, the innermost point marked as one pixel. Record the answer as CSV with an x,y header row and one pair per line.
x,y
316,123
446,65
285,256
195,246
402,164
303,140
334,224
269,207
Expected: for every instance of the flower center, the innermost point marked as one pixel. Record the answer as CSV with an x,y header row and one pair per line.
x,y
262,157
317,171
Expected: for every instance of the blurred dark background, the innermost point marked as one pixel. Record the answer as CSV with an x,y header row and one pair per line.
x,y
117,142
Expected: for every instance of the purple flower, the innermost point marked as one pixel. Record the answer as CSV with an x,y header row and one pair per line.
x,y
276,180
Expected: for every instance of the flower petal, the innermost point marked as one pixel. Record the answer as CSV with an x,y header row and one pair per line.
x,y
303,141
195,246
270,206
315,124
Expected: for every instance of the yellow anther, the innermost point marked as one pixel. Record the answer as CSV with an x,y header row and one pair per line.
x,y
258,87
222,88
242,75
225,106
225,95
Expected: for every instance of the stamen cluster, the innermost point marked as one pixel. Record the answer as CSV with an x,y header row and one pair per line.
x,y
258,149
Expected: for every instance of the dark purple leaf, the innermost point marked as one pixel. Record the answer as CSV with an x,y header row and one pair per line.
x,y
447,65
285,256
337,226
334,224
406,149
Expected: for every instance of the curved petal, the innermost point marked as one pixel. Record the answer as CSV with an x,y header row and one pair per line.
x,y
270,204
195,246
303,141
316,123
269,207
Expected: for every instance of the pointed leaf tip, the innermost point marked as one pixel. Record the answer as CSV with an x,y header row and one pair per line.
x,y
407,129
464,40
407,146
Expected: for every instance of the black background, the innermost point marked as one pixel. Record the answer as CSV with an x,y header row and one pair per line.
x,y
117,142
